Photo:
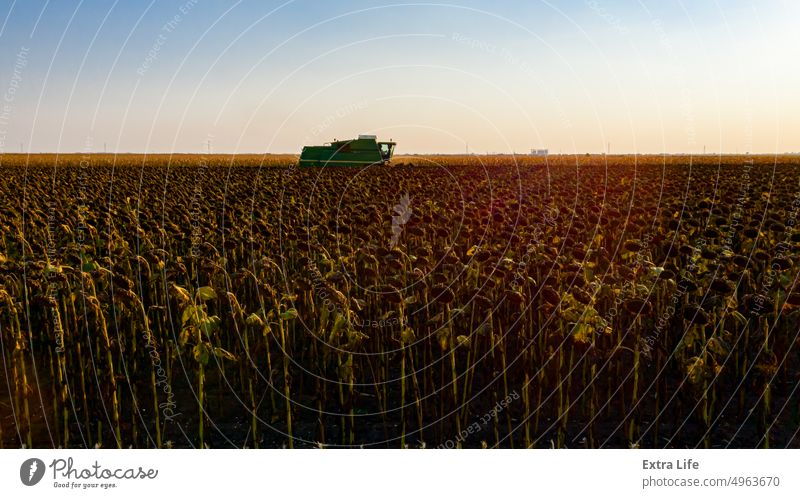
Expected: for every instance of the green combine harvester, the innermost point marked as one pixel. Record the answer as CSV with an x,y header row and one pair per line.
x,y
363,151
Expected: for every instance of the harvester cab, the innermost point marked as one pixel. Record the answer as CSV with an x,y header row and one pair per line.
x,y
387,149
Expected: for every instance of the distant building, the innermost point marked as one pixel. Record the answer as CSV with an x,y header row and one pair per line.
x,y
538,152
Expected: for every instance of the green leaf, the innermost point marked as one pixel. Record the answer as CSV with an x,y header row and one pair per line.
x,y
289,314
188,314
181,293
407,336
201,353
346,369
237,308
582,333
186,334
254,320
338,326
572,315
209,324
354,338
206,293
225,355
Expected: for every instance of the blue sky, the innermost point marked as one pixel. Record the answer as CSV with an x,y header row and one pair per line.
x,y
503,76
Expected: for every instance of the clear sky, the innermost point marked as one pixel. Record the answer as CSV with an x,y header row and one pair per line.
x,y
501,76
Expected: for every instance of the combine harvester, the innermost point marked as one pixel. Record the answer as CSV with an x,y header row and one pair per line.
x,y
363,151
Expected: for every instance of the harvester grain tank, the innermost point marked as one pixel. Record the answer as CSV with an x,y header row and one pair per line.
x,y
363,151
